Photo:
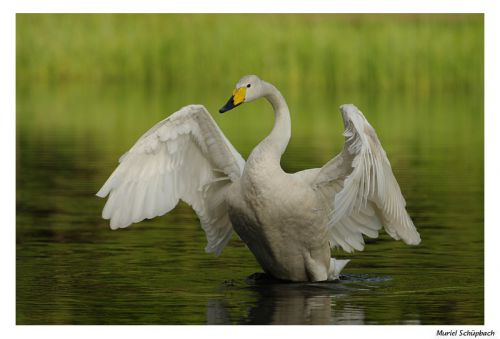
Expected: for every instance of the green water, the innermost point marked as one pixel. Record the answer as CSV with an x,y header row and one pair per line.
x,y
71,268
89,85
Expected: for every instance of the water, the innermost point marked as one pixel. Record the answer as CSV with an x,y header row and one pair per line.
x,y
72,269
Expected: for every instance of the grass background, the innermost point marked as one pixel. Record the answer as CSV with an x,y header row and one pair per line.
x,y
415,53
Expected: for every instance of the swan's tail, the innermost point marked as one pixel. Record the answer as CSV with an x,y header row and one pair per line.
x,y
335,267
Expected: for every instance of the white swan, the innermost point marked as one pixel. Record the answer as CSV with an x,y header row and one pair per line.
x,y
288,221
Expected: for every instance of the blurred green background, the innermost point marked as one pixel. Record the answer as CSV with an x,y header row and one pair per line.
x,y
411,53
88,85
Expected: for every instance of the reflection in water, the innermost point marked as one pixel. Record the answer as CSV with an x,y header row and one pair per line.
x,y
281,303
217,312
288,304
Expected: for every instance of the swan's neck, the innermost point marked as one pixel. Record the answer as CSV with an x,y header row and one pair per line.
x,y
276,142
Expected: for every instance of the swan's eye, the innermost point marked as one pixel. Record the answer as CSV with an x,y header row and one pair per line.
x,y
248,86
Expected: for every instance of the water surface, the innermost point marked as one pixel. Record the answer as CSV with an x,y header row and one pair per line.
x,y
72,269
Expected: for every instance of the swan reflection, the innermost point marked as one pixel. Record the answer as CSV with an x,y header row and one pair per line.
x,y
291,304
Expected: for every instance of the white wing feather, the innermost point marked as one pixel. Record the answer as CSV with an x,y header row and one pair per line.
x,y
185,156
362,191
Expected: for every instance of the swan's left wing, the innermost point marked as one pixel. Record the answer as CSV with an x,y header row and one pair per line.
x,y
360,189
186,156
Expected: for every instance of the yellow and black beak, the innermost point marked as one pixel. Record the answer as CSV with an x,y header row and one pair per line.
x,y
236,99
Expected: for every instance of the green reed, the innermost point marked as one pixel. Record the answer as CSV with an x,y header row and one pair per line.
x,y
415,53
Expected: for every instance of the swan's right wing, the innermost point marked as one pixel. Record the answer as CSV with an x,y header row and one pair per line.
x,y
186,156
360,189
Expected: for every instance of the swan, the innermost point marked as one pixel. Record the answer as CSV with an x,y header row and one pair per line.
x,y
289,221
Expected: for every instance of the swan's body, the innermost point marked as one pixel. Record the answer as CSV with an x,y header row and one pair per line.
x,y
288,221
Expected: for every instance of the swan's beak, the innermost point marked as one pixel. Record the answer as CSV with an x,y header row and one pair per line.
x,y
236,99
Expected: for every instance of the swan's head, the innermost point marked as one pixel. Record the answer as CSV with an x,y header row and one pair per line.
x,y
247,89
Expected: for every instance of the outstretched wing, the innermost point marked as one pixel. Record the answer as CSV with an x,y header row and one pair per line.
x,y
185,156
361,190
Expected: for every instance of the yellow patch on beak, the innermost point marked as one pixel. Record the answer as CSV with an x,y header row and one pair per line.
x,y
239,95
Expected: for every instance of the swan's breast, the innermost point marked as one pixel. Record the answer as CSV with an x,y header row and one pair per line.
x,y
267,204
279,217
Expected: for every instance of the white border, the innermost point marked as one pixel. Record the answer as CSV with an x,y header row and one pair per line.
x,y
492,164
257,6
7,144
7,177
